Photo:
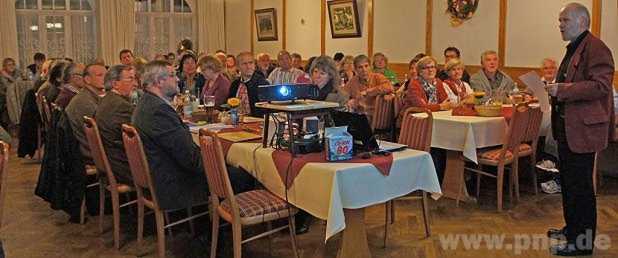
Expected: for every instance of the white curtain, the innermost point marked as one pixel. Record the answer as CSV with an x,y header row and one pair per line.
x,y
116,25
8,30
210,16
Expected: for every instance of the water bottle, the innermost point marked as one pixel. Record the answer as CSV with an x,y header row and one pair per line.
x,y
187,108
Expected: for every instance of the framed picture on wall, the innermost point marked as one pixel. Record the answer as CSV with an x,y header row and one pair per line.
x,y
266,24
344,22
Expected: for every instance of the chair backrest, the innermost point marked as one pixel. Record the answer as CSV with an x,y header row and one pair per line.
x,y
4,164
383,114
517,128
91,130
416,130
138,163
215,168
534,125
43,107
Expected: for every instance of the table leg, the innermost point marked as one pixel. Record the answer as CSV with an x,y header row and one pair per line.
x,y
354,242
453,181
265,134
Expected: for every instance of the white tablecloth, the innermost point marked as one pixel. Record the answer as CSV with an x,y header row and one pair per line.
x,y
325,189
466,133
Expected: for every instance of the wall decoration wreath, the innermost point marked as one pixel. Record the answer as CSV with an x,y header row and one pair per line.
x,y
461,10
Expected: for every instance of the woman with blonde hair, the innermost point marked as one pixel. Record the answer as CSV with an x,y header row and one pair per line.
x,y
427,91
347,68
217,84
324,74
380,65
457,89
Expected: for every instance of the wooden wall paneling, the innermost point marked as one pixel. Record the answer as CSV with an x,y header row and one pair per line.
x,y
502,32
284,34
595,24
428,28
322,27
370,9
252,24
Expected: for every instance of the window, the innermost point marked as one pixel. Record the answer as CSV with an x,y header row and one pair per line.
x,y
160,25
58,28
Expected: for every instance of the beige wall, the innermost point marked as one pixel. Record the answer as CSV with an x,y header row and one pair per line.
x,y
270,47
238,17
400,28
534,36
303,27
472,37
609,27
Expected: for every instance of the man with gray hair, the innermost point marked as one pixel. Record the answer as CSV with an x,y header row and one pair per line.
x,y
582,122
114,110
85,104
490,79
73,82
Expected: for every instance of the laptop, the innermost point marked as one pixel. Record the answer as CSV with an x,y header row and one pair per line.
x,y
359,128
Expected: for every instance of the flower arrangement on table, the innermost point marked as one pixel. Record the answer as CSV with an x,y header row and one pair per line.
x,y
233,104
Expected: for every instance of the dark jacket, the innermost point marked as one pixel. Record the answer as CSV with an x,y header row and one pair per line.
x,y
198,80
174,159
29,121
83,104
113,111
252,89
62,179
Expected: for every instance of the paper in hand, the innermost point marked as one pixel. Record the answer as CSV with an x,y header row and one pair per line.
x,y
534,83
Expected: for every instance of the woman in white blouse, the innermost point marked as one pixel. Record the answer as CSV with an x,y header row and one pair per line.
x,y
457,89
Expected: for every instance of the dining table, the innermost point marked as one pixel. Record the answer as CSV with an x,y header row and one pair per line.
x,y
337,192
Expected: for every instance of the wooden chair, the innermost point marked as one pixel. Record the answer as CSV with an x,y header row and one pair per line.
x,y
101,162
4,166
145,189
383,119
45,115
416,133
507,154
530,142
243,209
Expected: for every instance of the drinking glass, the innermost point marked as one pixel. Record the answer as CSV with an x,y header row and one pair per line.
x,y
209,101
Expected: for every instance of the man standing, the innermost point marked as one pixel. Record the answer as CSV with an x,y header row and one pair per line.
x,y
126,57
285,73
246,86
582,122
452,53
114,110
489,79
85,104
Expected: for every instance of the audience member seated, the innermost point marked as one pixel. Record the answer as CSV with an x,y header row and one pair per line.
x,y
285,73
114,110
365,86
35,68
325,76
43,76
73,83
297,61
490,79
189,79
246,86
264,64
380,65
549,69
8,75
85,104
457,89
231,67
126,57
216,84
411,75
428,91
452,53
347,69
338,57
174,159
51,88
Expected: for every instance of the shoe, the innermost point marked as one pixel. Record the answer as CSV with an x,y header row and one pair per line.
x,y
547,165
568,250
551,187
303,224
557,233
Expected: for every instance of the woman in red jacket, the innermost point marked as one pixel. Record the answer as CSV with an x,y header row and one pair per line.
x,y
427,91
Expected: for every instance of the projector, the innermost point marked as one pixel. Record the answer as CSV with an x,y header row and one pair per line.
x,y
287,92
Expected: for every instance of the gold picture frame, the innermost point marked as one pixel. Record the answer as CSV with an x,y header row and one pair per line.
x,y
266,24
344,22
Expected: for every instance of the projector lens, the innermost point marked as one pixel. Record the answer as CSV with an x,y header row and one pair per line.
x,y
284,91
